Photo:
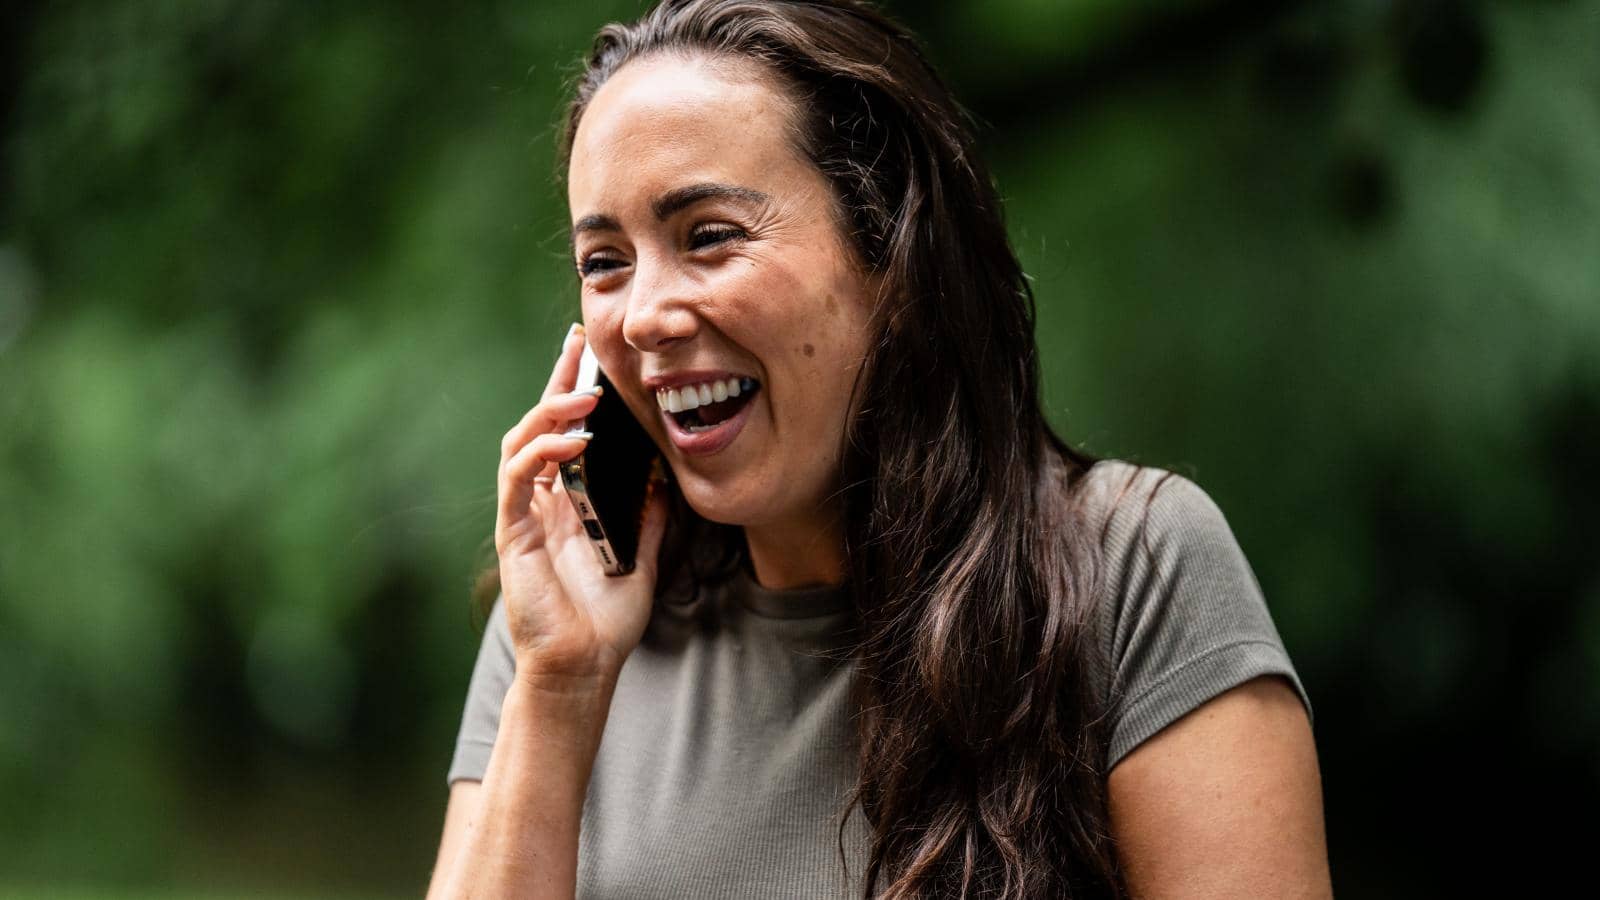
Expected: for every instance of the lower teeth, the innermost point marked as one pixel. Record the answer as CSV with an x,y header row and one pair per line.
x,y
696,426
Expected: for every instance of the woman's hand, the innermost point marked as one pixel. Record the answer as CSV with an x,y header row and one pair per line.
x,y
570,622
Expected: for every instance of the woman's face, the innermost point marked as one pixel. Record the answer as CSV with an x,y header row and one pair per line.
x,y
708,251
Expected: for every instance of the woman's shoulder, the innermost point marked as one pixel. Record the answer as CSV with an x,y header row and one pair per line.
x,y
1135,506
1182,616
1157,532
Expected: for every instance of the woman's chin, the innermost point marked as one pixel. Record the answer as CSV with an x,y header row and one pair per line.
x,y
725,504
720,509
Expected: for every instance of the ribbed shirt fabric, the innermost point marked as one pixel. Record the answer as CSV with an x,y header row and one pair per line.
x,y
728,755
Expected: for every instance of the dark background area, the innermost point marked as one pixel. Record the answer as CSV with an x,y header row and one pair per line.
x,y
275,278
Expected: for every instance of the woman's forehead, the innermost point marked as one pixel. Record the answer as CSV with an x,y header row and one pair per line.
x,y
661,121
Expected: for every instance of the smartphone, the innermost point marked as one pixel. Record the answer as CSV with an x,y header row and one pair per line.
x,y
607,482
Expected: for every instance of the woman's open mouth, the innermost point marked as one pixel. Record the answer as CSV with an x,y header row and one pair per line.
x,y
703,418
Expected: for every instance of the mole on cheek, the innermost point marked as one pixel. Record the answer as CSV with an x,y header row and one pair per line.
x,y
808,350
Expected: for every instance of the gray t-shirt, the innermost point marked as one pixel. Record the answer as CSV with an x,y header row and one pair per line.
x,y
728,753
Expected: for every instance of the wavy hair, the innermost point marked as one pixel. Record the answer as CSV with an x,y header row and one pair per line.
x,y
981,738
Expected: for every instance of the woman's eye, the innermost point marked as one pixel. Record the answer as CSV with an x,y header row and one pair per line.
x,y
706,237
589,265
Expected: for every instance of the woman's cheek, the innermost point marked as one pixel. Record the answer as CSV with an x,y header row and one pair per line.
x,y
601,313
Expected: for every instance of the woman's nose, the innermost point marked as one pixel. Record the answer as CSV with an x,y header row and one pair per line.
x,y
660,310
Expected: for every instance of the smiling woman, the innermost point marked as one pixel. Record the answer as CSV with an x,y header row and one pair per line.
x,y
708,248
889,635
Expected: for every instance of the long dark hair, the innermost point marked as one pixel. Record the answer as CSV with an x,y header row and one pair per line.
x,y
974,572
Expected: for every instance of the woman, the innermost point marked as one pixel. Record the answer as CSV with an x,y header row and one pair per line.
x,y
889,634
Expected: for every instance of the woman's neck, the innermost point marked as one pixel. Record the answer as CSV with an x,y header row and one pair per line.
x,y
796,554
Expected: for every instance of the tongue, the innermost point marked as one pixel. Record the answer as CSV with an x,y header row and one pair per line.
x,y
718,412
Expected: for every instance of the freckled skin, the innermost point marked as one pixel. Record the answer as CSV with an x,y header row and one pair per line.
x,y
744,304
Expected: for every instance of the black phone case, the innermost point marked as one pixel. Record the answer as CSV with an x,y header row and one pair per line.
x,y
607,483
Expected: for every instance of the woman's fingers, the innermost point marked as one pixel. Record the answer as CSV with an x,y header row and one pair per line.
x,y
565,374
550,414
517,485
561,520
538,442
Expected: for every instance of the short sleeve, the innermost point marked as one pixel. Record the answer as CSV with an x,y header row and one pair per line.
x,y
1183,617
486,692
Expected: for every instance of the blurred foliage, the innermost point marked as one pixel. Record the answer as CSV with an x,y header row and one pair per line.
x,y
274,279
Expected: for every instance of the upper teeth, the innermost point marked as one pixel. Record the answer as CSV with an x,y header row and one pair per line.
x,y
690,396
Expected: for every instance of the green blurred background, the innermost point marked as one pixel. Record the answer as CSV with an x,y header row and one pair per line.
x,y
274,279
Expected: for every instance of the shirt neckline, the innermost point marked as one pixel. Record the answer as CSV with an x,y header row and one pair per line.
x,y
788,603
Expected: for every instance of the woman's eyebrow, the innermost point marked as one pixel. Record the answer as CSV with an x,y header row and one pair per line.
x,y
675,200
679,198
595,222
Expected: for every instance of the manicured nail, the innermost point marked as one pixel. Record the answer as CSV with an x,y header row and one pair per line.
x,y
577,328
581,435
592,391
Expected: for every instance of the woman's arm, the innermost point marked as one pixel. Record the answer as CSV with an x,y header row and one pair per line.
x,y
569,628
1225,802
465,796
517,832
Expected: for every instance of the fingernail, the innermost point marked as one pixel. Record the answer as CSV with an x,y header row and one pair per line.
x,y
581,435
592,391
577,328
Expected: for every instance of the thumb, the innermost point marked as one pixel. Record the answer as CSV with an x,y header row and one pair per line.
x,y
654,526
